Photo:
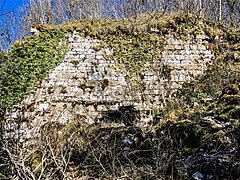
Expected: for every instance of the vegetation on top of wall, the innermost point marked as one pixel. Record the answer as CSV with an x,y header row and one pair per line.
x,y
27,62
137,42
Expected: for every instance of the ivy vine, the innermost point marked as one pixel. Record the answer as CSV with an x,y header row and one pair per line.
x,y
28,62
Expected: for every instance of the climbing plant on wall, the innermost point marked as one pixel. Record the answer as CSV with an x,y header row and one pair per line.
x,y
28,62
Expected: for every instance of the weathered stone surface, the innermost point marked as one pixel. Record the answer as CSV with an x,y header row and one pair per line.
x,y
85,85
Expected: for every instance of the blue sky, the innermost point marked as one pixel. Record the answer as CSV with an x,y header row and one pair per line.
x,y
10,4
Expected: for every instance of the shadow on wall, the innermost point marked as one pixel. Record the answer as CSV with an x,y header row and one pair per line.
x,y
127,115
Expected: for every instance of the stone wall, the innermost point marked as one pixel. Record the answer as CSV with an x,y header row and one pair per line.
x,y
85,86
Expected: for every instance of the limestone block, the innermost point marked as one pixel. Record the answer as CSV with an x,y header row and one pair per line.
x,y
99,57
78,92
201,36
97,76
102,108
91,108
42,107
76,46
52,75
97,93
193,46
82,69
208,52
201,47
61,83
170,47
122,81
94,97
89,48
179,57
112,78
186,61
178,47
50,83
174,78
71,39
72,82
79,75
91,83
79,39
75,89
149,78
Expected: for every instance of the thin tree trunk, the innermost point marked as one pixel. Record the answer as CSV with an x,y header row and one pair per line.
x,y
220,10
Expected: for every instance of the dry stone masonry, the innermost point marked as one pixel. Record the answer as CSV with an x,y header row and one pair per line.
x,y
86,85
